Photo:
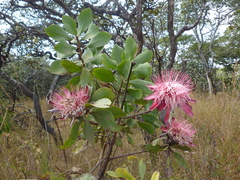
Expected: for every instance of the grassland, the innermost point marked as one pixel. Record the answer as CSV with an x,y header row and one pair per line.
x,y
27,152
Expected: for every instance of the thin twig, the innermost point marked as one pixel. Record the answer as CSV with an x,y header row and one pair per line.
x,y
61,139
129,154
128,79
138,114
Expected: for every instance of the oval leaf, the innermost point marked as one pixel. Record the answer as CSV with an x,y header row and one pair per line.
x,y
64,48
143,57
57,68
180,160
116,111
103,93
84,20
141,84
72,137
106,120
104,75
92,31
86,78
155,176
57,33
130,46
88,132
70,66
142,169
123,173
69,24
108,63
124,68
136,93
143,70
101,39
102,103
117,53
147,127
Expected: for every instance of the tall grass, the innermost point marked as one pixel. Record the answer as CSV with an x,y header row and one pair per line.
x,y
28,152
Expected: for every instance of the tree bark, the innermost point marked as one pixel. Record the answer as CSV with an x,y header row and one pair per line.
x,y
36,102
172,36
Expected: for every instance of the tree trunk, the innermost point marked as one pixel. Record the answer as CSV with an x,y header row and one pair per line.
x,y
172,37
211,86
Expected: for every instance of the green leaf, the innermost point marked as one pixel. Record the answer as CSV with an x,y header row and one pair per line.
x,y
131,123
61,56
72,137
155,141
86,78
116,111
64,48
180,160
69,24
141,101
73,81
92,31
87,176
104,75
143,57
57,68
106,120
155,176
57,33
125,56
108,63
124,68
123,173
97,50
103,92
117,53
136,93
84,20
142,169
143,70
128,108
96,59
118,142
183,148
150,119
129,139
88,132
87,55
147,127
101,39
102,103
141,84
112,174
130,46
70,66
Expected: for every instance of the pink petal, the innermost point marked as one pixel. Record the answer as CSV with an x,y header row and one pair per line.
x,y
187,109
161,106
154,105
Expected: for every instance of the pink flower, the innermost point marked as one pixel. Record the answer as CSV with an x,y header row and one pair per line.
x,y
180,132
69,103
171,90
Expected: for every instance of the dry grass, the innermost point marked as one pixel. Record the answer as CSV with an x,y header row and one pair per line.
x,y
28,152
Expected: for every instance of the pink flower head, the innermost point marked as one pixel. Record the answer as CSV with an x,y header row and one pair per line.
x,y
171,90
70,102
180,132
